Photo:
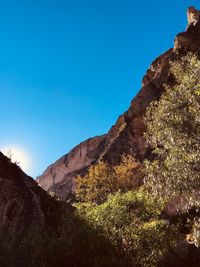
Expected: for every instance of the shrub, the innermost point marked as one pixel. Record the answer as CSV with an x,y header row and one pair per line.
x,y
173,130
103,179
72,243
131,222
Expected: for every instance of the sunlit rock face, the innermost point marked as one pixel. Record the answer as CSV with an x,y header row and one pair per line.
x,y
126,136
193,16
59,177
189,40
23,204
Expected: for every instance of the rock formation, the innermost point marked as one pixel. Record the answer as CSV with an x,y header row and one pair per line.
x,y
59,177
193,16
23,204
126,136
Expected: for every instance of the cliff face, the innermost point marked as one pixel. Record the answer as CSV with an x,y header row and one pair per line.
x,y
127,134
59,177
23,204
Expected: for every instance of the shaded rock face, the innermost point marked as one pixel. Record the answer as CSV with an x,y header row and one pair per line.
x,y
19,206
23,204
126,136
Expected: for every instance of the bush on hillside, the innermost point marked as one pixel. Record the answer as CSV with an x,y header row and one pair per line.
x,y
173,130
130,221
71,243
103,179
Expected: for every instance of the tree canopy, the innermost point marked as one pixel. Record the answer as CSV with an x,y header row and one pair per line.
x,y
103,179
173,130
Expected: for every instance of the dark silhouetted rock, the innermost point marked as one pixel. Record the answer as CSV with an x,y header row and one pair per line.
x,y
23,204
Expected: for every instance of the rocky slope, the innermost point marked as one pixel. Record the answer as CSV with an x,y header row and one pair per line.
x,y
127,134
23,204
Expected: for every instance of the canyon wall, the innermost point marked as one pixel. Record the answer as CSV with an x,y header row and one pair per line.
x,y
126,136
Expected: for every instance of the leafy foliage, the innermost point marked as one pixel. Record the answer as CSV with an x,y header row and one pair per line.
x,y
114,226
131,222
173,128
195,233
72,243
103,179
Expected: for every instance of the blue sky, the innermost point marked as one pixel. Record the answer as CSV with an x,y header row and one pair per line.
x,y
69,68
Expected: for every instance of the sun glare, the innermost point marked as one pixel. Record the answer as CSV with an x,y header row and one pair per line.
x,y
18,156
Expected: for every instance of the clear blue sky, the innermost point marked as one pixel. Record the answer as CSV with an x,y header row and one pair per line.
x,y
69,68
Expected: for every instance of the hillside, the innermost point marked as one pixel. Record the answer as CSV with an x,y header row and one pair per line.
x,y
135,200
37,230
126,136
23,204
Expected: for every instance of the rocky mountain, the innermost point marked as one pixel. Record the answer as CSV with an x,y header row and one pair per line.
x,y
37,230
127,134
24,205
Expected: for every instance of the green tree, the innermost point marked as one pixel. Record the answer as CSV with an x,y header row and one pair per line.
x,y
173,130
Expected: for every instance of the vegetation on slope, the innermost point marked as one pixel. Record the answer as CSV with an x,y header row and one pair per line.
x,y
103,179
117,221
131,222
173,130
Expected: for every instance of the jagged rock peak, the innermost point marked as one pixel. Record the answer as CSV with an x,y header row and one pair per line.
x,y
190,39
193,15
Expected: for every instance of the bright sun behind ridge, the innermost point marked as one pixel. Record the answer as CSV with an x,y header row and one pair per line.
x,y
17,155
